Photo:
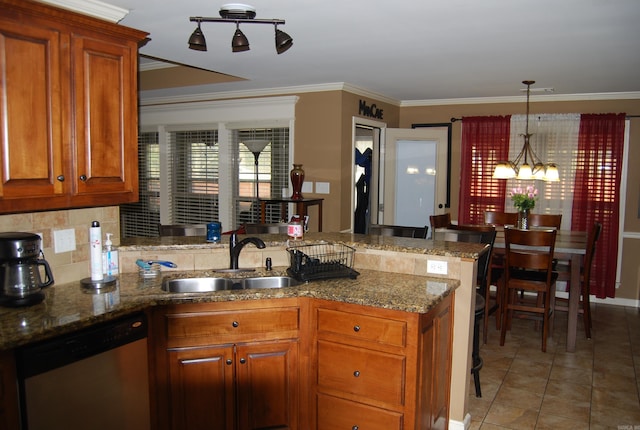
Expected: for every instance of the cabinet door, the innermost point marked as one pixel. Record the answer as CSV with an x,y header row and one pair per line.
x,y
202,392
267,378
105,117
31,142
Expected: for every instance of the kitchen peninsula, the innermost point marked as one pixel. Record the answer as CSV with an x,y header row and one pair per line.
x,y
392,293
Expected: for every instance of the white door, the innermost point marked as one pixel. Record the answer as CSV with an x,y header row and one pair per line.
x,y
412,175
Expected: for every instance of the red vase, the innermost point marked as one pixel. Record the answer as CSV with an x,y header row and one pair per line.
x,y
297,179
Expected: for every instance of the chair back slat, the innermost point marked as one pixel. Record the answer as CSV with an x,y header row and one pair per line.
x,y
398,231
500,218
182,229
271,228
529,249
440,221
545,220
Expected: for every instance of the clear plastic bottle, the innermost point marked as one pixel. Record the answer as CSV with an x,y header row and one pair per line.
x,y
109,257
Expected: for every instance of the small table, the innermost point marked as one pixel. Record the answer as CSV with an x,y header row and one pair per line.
x,y
301,207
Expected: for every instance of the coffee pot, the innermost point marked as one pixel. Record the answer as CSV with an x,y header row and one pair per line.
x,y
21,283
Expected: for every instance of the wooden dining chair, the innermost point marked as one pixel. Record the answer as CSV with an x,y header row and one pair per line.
x,y
545,220
398,231
475,234
440,221
485,281
529,268
182,229
564,274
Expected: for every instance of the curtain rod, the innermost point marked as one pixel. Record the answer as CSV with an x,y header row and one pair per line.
x,y
626,117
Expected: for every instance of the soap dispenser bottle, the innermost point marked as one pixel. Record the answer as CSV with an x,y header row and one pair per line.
x,y
109,257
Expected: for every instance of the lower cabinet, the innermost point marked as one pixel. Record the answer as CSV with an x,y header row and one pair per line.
x,y
299,364
9,415
217,367
379,369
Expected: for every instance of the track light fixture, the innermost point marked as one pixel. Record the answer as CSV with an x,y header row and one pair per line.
x,y
239,14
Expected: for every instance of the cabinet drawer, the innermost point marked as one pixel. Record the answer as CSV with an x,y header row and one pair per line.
x,y
222,324
364,373
363,327
335,413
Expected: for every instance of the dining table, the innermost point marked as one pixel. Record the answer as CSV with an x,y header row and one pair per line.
x,y
570,247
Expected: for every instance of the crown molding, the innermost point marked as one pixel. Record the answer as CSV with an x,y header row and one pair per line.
x,y
342,86
518,99
93,8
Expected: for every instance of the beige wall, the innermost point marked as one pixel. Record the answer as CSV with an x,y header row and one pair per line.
x,y
66,266
323,145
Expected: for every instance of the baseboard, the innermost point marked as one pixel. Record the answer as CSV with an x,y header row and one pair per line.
x,y
458,425
608,301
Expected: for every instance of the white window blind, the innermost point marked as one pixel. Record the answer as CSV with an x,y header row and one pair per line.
x,y
142,218
193,160
273,173
554,138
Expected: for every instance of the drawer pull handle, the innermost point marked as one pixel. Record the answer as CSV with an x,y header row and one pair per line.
x,y
243,360
229,361
356,328
235,323
356,373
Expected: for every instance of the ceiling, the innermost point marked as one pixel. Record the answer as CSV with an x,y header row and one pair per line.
x,y
407,51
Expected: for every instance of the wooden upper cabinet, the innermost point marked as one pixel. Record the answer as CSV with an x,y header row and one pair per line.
x,y
32,149
68,109
103,87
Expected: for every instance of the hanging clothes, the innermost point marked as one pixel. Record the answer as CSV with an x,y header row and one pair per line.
x,y
362,191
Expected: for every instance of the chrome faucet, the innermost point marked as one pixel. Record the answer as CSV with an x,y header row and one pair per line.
x,y
235,247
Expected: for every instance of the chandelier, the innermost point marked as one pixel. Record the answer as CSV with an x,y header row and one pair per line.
x,y
527,165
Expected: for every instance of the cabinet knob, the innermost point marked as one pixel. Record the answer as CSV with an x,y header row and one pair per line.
x,y
243,360
356,373
60,178
355,428
235,323
83,178
229,361
356,328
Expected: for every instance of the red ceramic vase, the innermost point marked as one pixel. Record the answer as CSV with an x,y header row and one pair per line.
x,y
297,179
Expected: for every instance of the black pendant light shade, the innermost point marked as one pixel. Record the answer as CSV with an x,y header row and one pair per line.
x,y
197,41
283,41
239,42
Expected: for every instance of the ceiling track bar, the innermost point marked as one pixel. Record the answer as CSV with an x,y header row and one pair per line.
x,y
236,20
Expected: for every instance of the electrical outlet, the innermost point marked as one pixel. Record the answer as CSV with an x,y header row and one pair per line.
x,y
437,267
64,240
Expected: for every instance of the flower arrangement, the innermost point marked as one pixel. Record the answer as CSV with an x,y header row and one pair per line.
x,y
524,199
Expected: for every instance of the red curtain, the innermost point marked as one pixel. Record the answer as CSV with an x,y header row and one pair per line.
x,y
485,141
597,192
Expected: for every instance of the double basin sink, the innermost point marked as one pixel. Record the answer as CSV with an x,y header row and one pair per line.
x,y
204,285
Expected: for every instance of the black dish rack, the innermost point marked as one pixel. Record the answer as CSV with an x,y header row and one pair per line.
x,y
321,261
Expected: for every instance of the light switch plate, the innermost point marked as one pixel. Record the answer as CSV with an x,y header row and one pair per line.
x,y
322,187
64,240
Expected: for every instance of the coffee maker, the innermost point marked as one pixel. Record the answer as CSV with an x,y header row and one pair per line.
x,y
20,280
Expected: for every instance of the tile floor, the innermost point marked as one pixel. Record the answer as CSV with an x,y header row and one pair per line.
x,y
594,388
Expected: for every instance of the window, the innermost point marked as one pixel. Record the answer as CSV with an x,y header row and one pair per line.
x,y
273,173
191,194
193,160
142,218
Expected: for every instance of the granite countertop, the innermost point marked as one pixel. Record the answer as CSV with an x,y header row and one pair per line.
x,y
382,243
70,307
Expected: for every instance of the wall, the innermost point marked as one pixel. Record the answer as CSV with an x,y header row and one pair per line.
x,y
323,144
66,266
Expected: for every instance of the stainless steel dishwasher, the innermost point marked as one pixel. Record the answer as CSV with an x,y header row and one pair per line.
x,y
96,378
